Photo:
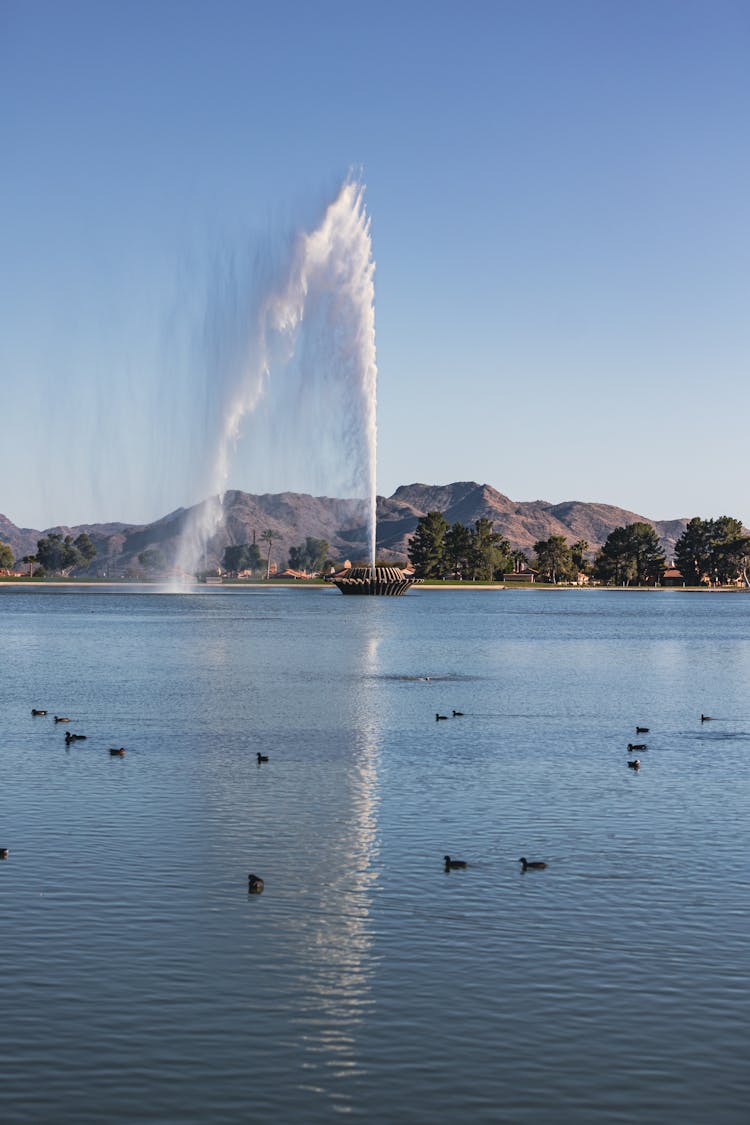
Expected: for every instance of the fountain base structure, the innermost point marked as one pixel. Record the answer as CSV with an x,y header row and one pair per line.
x,y
388,581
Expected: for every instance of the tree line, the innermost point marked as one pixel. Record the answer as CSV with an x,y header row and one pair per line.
x,y
312,556
476,554
55,554
714,551
709,552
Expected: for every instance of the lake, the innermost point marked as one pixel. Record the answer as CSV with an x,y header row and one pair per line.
x,y
141,982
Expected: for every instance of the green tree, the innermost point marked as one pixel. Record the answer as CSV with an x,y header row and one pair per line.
x,y
554,558
153,560
458,542
269,536
309,556
647,552
317,553
235,558
6,556
427,549
692,553
729,547
519,561
253,558
85,547
489,552
712,550
578,555
58,555
630,554
614,565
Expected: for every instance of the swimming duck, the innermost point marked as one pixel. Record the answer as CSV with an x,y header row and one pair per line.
x,y
632,746
642,730
61,719
704,718
454,863
531,865
262,757
74,737
254,884
458,714
34,711
117,751
438,717
4,853
636,765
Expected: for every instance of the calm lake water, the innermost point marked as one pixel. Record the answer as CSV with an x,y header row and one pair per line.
x,y
140,981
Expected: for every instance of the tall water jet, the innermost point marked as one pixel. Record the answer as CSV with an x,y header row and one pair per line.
x,y
293,327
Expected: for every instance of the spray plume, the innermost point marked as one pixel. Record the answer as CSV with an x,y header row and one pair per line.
x,y
293,331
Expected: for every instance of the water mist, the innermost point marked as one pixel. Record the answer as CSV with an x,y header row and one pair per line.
x,y
290,367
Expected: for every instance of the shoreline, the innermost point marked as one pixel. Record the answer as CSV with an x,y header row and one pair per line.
x,y
44,585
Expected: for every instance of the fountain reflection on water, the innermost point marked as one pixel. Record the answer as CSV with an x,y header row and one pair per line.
x,y
321,869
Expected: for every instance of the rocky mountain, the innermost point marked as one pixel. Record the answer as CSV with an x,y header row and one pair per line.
x,y
521,523
294,516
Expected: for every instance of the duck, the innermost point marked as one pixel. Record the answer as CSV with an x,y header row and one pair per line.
x,y
632,746
454,864
62,719
704,718
262,757
642,730
438,716
531,865
254,884
117,751
36,711
458,714
635,765
74,737
4,853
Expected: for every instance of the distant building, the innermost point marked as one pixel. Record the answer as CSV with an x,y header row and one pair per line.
x,y
672,577
525,574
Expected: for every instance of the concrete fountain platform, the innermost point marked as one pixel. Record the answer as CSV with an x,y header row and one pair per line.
x,y
384,581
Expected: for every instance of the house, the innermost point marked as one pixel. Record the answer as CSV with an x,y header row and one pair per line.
x,y
525,574
672,577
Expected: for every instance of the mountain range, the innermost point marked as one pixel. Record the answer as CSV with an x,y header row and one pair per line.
x,y
294,516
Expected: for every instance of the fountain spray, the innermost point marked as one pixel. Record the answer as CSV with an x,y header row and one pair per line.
x,y
297,333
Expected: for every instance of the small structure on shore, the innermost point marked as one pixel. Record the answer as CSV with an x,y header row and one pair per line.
x,y
389,581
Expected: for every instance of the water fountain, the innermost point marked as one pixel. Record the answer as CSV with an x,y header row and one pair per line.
x,y
296,332
385,580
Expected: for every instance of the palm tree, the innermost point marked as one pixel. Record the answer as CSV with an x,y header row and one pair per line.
x,y
268,536
519,561
578,551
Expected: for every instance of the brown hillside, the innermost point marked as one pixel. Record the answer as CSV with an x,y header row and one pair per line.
x,y
294,516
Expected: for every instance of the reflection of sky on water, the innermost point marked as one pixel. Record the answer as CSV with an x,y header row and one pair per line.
x,y
146,977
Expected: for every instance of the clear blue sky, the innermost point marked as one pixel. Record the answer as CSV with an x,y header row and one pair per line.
x,y
560,204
